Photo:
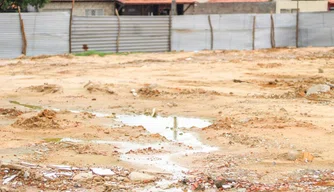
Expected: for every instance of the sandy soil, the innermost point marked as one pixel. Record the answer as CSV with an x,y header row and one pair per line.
x,y
263,121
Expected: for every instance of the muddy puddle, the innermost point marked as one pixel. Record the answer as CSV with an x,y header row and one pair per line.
x,y
177,130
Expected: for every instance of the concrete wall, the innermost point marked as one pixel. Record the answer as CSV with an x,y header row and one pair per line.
x,y
230,8
304,6
80,7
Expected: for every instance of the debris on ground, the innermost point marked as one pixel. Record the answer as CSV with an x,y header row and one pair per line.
x,y
10,112
45,88
92,87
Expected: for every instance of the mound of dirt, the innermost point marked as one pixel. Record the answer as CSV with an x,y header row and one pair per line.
x,y
10,112
98,87
44,120
148,92
46,88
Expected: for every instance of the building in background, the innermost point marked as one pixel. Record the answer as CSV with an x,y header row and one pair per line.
x,y
231,7
152,7
331,5
291,6
82,7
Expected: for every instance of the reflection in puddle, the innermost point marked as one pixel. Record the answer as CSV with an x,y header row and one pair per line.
x,y
166,127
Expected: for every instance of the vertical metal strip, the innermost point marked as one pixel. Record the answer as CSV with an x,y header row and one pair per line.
x,y
211,32
254,22
272,31
170,32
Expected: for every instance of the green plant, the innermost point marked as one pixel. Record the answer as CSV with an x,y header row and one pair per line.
x,y
101,54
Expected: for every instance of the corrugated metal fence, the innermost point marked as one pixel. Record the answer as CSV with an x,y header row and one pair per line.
x,y
46,33
235,31
137,34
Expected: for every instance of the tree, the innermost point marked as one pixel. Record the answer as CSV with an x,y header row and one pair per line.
x,y
7,5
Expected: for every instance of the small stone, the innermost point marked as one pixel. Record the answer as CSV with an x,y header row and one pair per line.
x,y
120,178
293,155
102,172
136,176
26,175
316,89
106,132
98,178
110,91
227,186
242,190
77,185
320,70
83,176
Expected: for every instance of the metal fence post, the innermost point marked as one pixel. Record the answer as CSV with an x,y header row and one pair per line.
x,y
297,27
70,28
211,31
254,22
272,31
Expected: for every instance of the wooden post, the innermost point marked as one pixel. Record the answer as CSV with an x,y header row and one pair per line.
x,y
24,38
70,32
119,31
297,26
211,30
254,22
272,31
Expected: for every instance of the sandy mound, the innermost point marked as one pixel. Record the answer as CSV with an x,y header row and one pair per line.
x,y
98,87
44,120
46,88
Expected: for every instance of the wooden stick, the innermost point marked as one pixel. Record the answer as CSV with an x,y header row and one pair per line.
x,y
297,28
211,29
70,32
272,31
24,38
254,22
119,31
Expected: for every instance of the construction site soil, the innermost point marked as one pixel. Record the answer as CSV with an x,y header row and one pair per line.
x,y
180,121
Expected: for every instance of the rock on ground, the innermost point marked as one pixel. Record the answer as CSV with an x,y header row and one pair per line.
x,y
316,89
83,176
136,176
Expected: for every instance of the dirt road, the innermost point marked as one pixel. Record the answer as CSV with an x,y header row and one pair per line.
x,y
245,121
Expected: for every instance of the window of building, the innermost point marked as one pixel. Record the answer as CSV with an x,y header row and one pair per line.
x,y
94,12
285,11
294,10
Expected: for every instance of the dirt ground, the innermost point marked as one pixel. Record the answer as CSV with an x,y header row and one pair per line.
x,y
267,133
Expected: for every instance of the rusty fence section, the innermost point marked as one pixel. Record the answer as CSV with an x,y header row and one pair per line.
x,y
137,34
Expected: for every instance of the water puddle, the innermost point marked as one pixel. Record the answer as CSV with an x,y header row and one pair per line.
x,y
175,129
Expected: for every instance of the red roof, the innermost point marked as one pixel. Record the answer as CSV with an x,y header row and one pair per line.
x,y
145,2
236,1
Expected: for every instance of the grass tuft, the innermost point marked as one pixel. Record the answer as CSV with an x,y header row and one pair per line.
x,y
101,54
